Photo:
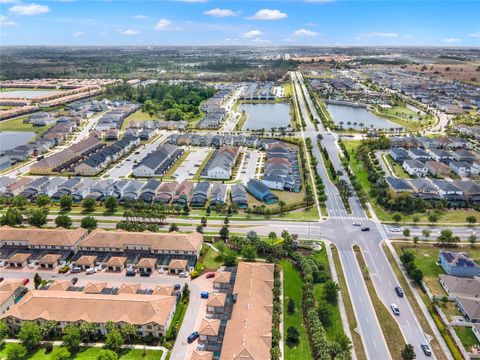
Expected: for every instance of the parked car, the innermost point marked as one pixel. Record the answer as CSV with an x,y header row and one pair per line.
x,y
76,270
204,295
399,291
426,349
210,275
130,273
182,275
365,228
63,269
192,337
91,271
74,280
177,287
395,229
1,279
25,281
31,265
145,274
356,224
395,309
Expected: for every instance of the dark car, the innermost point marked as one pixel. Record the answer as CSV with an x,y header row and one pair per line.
x,y
145,274
399,291
365,228
177,287
210,275
192,337
426,350
74,280
1,279
130,273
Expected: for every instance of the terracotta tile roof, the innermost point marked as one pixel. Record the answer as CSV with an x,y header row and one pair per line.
x,y
178,264
18,183
73,306
209,327
248,334
202,355
100,238
95,288
163,289
49,259
19,257
59,285
86,260
222,277
128,288
35,236
216,299
8,288
116,261
147,263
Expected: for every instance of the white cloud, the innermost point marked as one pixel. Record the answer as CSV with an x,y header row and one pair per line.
x,y
163,24
381,34
29,9
78,34
141,17
476,35
130,32
252,34
451,40
268,14
8,1
259,40
304,32
5,21
217,12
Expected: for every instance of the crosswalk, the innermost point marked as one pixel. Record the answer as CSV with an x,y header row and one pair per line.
x,y
353,218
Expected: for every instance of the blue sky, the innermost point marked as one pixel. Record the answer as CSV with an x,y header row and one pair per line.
x,y
223,22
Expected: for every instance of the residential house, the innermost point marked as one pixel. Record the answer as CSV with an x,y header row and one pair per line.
x,y
459,286
261,191
200,194
238,196
398,154
218,195
183,193
438,169
415,168
458,264
165,192
399,185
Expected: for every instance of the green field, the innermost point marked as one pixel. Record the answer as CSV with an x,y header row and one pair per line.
x,y
17,124
92,353
467,337
397,168
138,115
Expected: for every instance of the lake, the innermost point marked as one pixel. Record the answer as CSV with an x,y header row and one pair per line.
x,y
29,94
12,139
266,116
345,114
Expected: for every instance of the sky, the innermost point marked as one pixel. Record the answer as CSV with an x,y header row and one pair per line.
x,y
246,22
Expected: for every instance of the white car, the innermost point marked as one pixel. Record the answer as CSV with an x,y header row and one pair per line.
x,y
182,275
395,309
395,229
91,271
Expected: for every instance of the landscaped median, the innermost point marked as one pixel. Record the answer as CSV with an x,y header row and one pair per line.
x,y
391,331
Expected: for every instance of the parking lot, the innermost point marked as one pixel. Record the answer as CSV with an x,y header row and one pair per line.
x,y
248,166
190,165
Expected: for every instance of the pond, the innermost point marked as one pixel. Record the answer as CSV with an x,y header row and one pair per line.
x,y
12,139
265,116
29,94
359,115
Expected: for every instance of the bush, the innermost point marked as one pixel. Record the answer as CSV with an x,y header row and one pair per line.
x,y
293,336
48,346
61,353
63,270
149,339
194,274
15,351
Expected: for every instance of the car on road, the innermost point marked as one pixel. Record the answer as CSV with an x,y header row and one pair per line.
x,y
76,270
145,274
91,271
74,280
365,228
177,287
192,337
182,275
426,349
399,291
210,275
130,273
395,309
395,229
356,224
204,295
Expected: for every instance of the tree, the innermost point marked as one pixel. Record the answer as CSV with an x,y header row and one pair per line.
x,y
63,221
433,218
249,253
397,218
408,353
417,276
61,353
12,217
226,221
30,335
114,340
110,203
37,280
87,331
129,332
415,219
88,204
272,236
406,233
186,292
48,328
291,306
89,223
15,351
19,201
37,217
66,203
282,206
224,232
203,221
331,291
229,258
471,219
71,337
426,233
107,355
42,200
416,239
324,313
293,336
3,332
173,227
472,239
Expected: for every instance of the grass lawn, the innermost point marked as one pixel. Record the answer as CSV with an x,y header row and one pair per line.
x,y
287,88
91,353
202,166
397,168
16,124
357,167
467,337
177,317
210,259
292,287
138,115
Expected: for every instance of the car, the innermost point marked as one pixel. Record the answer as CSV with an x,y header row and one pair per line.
x,y
177,287
25,281
395,309
399,291
356,224
145,274
210,275
192,337
31,265
365,228
74,280
130,273
1,279
182,275
204,295
395,229
426,349
90,271
76,270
